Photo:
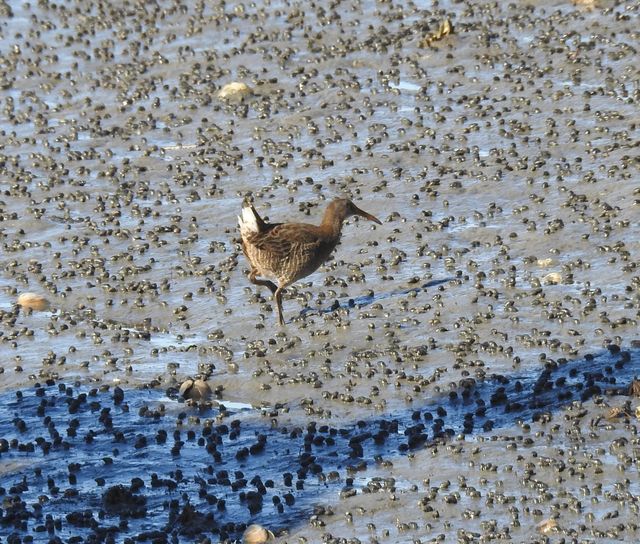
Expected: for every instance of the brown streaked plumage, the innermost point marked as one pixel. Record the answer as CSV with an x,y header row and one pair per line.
x,y
288,252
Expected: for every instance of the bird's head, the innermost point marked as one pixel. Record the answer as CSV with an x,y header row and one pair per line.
x,y
343,208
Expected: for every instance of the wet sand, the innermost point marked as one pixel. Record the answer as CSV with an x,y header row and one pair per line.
x,y
502,160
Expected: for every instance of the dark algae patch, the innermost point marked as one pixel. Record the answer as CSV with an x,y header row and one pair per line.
x,y
97,464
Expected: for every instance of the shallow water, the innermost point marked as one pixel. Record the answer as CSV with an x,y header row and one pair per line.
x,y
189,472
501,154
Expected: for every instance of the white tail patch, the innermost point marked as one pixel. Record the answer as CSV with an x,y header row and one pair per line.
x,y
247,222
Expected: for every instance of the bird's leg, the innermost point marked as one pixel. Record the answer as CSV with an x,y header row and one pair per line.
x,y
266,283
278,297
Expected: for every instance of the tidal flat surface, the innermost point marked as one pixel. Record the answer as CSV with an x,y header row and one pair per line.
x,y
460,373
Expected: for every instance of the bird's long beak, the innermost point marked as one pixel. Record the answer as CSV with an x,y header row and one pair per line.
x,y
362,213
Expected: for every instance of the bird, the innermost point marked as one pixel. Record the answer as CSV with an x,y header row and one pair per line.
x,y
287,252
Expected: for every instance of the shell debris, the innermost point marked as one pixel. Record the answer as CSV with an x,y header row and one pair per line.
x,y
195,390
444,29
235,89
257,534
547,526
33,301
553,278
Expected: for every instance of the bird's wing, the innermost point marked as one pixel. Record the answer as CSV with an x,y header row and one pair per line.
x,y
284,238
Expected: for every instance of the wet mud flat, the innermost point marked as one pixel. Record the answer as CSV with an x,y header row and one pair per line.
x,y
458,373
105,464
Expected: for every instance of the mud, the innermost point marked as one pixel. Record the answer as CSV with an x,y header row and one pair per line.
x,y
492,317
